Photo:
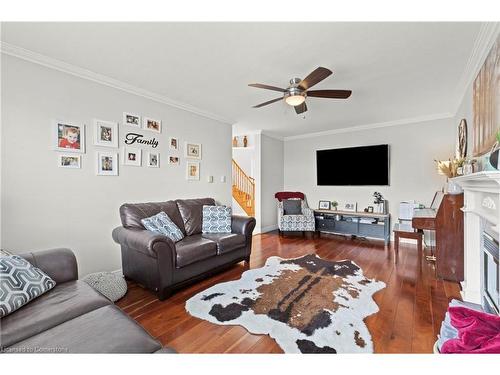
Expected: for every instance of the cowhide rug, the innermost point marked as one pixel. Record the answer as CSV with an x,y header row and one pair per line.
x,y
307,304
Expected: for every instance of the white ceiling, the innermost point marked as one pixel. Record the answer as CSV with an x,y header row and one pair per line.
x,y
395,70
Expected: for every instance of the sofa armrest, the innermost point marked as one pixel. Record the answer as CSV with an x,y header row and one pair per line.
x,y
242,225
142,240
59,264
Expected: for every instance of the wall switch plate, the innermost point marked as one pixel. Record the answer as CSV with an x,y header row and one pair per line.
x,y
223,179
210,179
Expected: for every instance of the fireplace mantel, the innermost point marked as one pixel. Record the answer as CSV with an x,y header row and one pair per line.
x,y
481,211
481,181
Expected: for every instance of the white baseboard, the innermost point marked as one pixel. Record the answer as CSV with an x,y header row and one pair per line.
x,y
269,228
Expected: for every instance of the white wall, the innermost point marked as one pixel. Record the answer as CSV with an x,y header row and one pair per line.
x,y
44,206
413,148
272,178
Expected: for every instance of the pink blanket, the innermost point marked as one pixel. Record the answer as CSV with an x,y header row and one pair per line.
x,y
478,332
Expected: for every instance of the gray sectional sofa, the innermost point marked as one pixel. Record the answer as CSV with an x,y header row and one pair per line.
x,y
72,317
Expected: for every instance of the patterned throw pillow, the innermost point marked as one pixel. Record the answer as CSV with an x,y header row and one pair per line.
x,y
162,224
216,219
20,283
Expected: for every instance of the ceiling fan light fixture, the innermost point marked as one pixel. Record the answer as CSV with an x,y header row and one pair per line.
x,y
295,100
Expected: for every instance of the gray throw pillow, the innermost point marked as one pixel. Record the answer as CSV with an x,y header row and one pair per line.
x,y
162,224
20,283
292,207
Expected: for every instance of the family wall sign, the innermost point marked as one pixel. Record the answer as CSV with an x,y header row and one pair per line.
x,y
132,138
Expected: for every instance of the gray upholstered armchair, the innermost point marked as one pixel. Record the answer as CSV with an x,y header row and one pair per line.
x,y
293,217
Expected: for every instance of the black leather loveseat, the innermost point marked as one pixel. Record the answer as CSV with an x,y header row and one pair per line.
x,y
161,265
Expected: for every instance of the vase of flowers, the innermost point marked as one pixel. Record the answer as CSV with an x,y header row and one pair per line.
x,y
450,168
379,201
335,205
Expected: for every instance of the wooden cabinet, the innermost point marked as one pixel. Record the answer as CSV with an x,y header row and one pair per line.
x,y
450,238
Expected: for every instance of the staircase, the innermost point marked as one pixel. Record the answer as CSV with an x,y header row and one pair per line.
x,y
243,189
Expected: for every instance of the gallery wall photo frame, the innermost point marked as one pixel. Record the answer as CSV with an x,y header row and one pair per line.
x,y
132,119
153,160
174,160
192,170
151,124
107,163
132,156
192,150
70,161
173,143
105,133
68,136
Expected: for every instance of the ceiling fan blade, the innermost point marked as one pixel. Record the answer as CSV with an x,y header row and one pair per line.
x,y
315,77
267,87
301,108
332,94
268,102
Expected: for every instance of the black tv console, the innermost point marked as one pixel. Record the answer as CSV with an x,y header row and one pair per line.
x,y
360,224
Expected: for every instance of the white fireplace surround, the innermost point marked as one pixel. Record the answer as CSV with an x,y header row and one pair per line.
x,y
481,209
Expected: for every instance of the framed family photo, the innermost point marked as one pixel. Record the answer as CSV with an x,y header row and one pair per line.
x,y
151,124
350,206
107,163
69,161
105,133
173,143
132,156
173,160
69,137
131,119
324,205
153,159
192,170
193,150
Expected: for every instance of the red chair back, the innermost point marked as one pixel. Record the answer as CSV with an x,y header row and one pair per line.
x,y
289,194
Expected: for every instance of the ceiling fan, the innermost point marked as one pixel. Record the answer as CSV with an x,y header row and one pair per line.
x,y
298,90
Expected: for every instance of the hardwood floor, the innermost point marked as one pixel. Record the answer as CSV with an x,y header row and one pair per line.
x,y
412,305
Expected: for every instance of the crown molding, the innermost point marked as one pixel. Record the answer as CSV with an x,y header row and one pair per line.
x,y
487,35
413,120
49,62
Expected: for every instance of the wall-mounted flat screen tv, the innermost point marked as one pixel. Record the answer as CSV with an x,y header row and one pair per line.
x,y
353,166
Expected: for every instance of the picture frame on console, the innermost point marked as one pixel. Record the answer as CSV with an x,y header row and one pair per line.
x,y
324,205
350,206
